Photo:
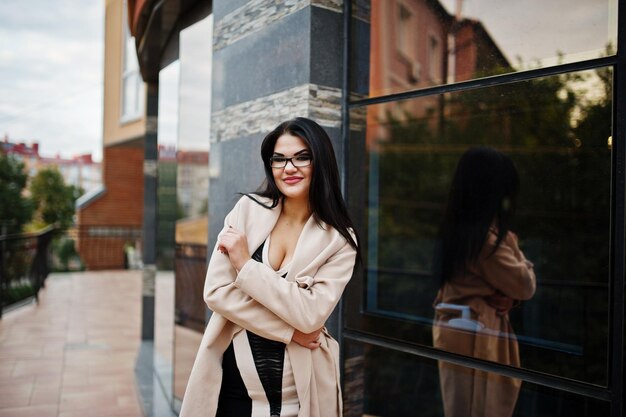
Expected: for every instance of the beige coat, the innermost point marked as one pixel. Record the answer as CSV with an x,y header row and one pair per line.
x,y
473,393
256,300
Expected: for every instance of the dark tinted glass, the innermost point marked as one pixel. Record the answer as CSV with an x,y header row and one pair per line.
x,y
404,154
382,382
401,45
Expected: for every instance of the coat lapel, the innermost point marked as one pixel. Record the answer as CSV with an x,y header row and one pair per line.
x,y
313,239
258,224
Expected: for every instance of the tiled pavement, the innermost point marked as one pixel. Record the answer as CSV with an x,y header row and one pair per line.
x,y
73,354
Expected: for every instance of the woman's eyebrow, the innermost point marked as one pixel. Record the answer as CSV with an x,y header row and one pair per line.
x,y
295,154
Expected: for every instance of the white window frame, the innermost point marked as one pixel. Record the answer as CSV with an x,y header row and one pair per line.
x,y
130,76
406,36
435,57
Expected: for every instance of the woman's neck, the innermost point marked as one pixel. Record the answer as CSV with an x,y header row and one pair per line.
x,y
296,210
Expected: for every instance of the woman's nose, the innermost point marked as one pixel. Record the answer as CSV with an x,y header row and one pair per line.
x,y
290,167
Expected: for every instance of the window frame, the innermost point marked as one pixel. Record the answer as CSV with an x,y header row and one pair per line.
x,y
614,391
130,76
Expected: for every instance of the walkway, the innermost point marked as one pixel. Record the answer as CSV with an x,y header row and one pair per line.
x,y
73,355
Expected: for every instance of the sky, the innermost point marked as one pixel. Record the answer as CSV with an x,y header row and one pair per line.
x,y
51,75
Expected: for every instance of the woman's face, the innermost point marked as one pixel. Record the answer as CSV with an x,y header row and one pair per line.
x,y
293,181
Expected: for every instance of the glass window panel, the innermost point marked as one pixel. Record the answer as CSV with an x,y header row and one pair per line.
x,y
164,328
167,125
383,382
403,157
192,191
401,45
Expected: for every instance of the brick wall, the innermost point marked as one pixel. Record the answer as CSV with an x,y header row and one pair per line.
x,y
106,224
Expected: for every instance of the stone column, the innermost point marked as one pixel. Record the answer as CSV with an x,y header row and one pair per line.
x,y
272,60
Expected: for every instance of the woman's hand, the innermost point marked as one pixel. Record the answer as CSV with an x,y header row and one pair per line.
x,y
307,340
502,303
234,244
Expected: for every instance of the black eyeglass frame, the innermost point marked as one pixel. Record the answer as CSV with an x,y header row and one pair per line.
x,y
286,160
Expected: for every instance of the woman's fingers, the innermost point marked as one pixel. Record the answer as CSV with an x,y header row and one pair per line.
x,y
307,340
234,244
228,239
231,235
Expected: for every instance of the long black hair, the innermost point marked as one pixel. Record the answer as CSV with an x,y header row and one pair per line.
x,y
483,195
325,199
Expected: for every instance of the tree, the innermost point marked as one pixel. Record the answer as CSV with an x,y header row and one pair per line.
x,y
53,199
15,209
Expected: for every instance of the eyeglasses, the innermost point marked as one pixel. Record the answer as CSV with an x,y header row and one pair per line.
x,y
298,161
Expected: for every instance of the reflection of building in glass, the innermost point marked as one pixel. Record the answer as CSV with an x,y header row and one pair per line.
x,y
473,52
167,207
417,44
193,182
409,44
417,129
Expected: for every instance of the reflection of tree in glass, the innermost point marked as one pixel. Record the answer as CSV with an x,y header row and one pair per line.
x,y
557,138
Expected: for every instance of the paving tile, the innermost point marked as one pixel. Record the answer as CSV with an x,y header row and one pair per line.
x,y
25,367
6,368
14,400
103,412
48,381
45,395
30,411
74,353
20,352
16,395
94,398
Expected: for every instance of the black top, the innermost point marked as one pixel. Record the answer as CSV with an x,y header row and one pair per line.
x,y
269,358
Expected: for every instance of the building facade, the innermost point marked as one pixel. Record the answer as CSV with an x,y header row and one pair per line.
x,y
404,88
80,171
110,218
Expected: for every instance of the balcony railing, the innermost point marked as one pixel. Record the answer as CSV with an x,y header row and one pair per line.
x,y
24,265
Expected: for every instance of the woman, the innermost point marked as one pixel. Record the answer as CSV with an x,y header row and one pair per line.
x,y
278,270
485,273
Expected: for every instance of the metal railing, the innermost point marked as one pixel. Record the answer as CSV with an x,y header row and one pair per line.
x,y
24,265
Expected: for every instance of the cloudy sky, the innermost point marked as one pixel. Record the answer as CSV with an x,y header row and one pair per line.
x,y
51,56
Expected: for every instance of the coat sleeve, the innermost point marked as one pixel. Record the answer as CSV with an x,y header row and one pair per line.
x,y
223,297
307,302
507,269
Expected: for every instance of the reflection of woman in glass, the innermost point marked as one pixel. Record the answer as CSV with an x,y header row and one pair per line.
x,y
279,268
483,274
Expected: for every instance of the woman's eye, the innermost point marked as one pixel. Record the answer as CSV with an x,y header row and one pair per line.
x,y
279,159
303,158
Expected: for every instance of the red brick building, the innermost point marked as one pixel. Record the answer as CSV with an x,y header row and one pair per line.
x,y
110,219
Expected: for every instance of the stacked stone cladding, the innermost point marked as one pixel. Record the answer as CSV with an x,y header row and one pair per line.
x,y
258,14
322,104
